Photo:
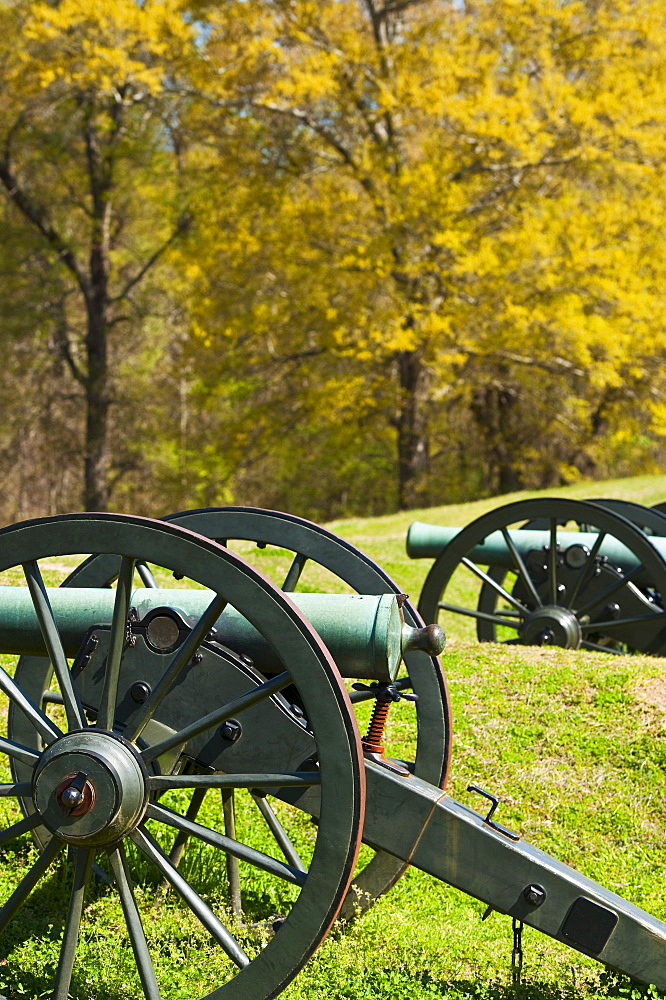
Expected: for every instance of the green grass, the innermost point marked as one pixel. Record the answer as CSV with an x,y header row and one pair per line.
x,y
573,744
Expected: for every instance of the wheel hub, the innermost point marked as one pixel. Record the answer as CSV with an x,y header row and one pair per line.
x,y
552,626
90,788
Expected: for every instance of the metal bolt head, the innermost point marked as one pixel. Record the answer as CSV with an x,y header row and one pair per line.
x,y
71,797
534,894
140,691
231,730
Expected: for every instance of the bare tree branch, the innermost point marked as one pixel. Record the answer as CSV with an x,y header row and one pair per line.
x,y
183,225
38,216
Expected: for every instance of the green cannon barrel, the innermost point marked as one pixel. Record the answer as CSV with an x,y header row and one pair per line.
x,y
428,541
365,634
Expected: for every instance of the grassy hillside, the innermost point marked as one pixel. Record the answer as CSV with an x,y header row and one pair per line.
x,y
574,745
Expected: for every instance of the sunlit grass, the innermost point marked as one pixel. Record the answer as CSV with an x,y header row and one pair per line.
x,y
573,744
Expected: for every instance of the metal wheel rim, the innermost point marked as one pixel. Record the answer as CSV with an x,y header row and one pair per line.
x,y
650,518
327,703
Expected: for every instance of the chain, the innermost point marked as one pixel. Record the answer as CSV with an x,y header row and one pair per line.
x,y
517,953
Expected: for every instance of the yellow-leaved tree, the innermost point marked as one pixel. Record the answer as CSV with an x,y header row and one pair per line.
x,y
90,170
435,268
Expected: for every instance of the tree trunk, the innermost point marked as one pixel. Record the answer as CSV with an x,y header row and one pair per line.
x,y
96,489
410,425
96,493
491,408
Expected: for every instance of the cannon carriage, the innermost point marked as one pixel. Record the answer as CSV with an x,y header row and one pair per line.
x,y
577,574
169,668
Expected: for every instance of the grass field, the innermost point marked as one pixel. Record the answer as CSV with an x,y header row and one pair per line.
x,y
573,744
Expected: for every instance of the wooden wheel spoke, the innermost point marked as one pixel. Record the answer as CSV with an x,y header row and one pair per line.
x,y
117,640
483,616
17,790
217,717
44,726
552,561
275,826
144,963
30,880
294,572
233,874
603,595
82,868
176,852
596,647
23,826
588,569
607,626
241,851
177,664
146,576
18,752
202,911
521,568
53,643
495,585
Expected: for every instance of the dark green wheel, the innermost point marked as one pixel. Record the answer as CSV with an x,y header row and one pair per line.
x,y
98,783
305,543
528,585
651,520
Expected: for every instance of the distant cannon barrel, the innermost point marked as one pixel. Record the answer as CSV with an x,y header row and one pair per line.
x,y
428,541
365,634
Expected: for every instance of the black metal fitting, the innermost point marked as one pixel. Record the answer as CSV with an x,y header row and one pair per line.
x,y
494,801
231,730
385,693
534,894
140,691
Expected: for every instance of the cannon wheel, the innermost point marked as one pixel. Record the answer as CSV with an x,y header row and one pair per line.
x,y
309,541
323,887
651,520
591,605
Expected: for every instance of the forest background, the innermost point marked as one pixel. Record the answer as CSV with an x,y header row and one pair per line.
x,y
331,256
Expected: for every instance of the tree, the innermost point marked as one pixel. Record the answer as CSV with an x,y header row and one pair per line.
x,y
89,162
460,236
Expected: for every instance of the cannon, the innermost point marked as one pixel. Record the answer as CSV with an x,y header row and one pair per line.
x,y
215,680
291,545
576,574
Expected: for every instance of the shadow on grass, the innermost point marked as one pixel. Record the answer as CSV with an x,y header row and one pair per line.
x,y
391,982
